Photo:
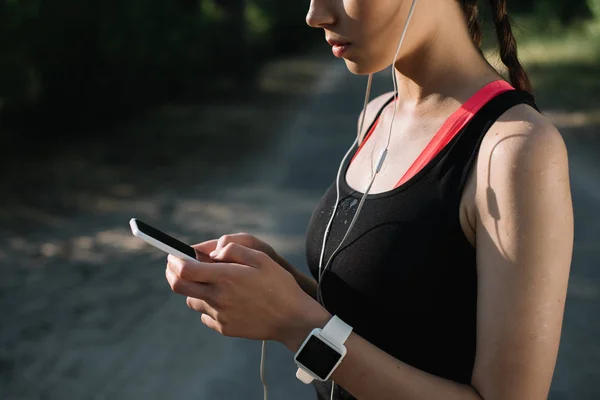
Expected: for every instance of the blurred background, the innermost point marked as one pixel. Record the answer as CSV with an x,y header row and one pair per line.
x,y
206,117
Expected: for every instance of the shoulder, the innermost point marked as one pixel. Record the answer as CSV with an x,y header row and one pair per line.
x,y
371,112
522,175
531,126
521,144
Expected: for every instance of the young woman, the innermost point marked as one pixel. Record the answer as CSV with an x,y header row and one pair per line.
x,y
452,280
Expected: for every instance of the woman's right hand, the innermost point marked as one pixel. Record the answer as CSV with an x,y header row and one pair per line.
x,y
214,246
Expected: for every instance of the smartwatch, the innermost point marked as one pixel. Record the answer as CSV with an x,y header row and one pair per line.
x,y
322,351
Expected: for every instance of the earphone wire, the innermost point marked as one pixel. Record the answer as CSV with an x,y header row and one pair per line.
x,y
383,155
394,78
380,162
337,180
262,370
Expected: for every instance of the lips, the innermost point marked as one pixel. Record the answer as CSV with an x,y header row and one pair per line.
x,y
339,47
338,42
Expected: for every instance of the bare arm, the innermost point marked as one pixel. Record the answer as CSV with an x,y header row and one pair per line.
x,y
524,246
524,240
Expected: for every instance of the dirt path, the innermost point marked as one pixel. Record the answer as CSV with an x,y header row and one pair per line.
x,y
85,310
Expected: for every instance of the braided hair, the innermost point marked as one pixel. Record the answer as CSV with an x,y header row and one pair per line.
x,y
506,39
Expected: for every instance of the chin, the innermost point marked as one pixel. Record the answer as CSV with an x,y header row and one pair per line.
x,y
358,67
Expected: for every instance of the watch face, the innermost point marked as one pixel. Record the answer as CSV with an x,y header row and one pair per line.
x,y
318,357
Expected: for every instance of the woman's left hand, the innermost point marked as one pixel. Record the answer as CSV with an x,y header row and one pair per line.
x,y
244,293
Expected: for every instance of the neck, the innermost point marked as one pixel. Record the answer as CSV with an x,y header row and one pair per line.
x,y
446,68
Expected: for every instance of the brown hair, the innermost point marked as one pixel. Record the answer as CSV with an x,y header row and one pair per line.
x,y
506,40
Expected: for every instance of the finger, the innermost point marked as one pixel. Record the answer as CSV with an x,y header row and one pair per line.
x,y
206,247
201,306
197,271
236,253
240,238
187,288
203,257
211,323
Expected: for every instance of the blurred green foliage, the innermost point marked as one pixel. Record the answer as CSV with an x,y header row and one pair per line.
x,y
594,6
64,61
90,60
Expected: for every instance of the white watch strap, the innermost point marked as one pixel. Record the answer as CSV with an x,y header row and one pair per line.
x,y
336,331
304,376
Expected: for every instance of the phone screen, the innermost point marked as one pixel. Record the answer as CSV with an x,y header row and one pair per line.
x,y
166,239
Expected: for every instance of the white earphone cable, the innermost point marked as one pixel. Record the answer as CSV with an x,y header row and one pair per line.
x,y
394,79
337,186
262,370
380,162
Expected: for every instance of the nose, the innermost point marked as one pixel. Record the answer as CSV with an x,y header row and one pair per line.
x,y
320,14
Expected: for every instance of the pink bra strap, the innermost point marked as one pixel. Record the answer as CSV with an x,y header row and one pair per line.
x,y
457,121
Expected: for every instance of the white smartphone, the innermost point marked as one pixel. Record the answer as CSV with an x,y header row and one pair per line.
x,y
161,240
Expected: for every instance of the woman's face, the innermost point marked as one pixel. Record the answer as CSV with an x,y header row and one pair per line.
x,y
366,33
